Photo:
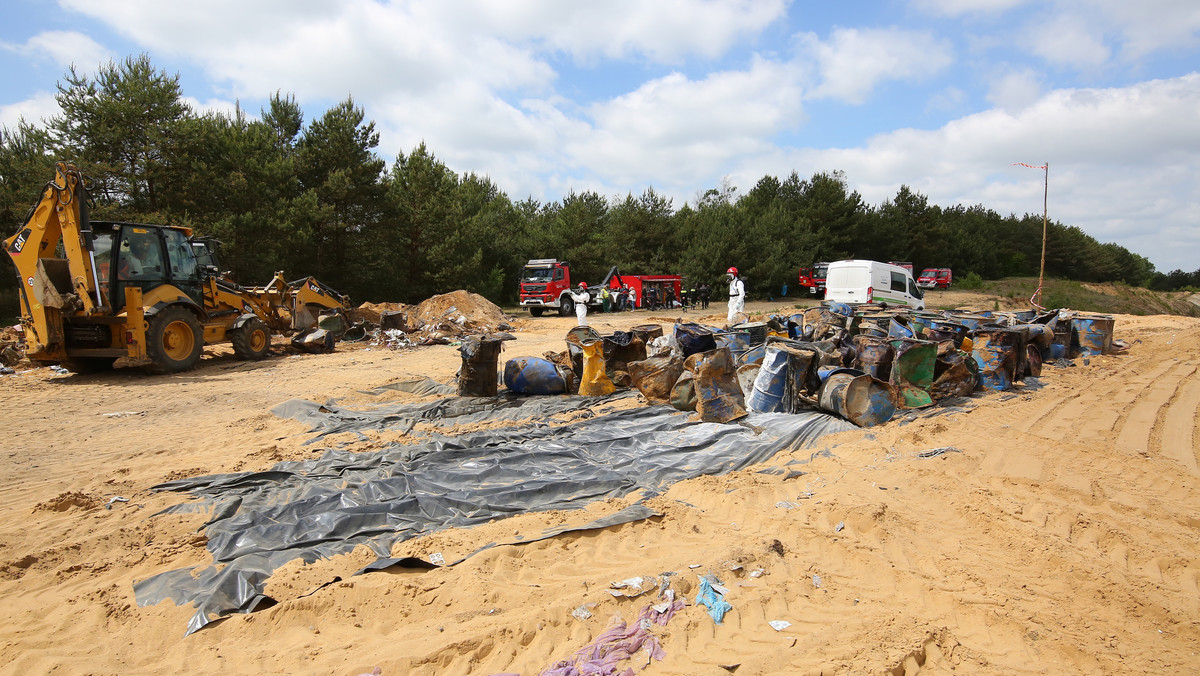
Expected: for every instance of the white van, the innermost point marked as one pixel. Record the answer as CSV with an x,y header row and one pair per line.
x,y
872,282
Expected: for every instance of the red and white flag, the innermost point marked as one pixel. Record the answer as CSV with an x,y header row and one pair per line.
x,y
1022,164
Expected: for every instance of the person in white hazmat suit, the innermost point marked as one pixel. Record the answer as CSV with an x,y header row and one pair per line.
x,y
737,296
581,298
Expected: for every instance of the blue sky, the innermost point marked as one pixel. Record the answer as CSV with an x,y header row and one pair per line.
x,y
547,96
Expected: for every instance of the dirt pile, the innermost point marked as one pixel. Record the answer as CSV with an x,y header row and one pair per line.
x,y
469,312
436,320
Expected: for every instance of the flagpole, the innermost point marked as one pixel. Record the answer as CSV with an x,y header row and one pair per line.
x,y
1037,296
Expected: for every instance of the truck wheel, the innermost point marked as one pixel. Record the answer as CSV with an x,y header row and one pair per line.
x,y
252,340
566,306
535,311
174,341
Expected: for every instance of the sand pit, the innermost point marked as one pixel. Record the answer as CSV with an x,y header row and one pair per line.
x,y
1054,532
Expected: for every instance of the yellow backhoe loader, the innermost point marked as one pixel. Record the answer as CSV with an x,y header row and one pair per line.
x,y
99,294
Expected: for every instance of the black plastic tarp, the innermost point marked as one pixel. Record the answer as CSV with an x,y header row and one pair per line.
x,y
319,508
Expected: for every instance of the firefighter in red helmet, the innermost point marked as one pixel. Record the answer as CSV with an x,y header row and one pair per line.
x,y
737,296
581,298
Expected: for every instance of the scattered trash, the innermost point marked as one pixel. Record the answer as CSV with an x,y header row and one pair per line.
x,y
758,572
934,452
436,558
816,581
634,586
59,370
712,596
838,528
582,612
114,499
779,625
784,504
123,414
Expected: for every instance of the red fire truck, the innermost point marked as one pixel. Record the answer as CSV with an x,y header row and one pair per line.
x,y
813,279
546,284
936,278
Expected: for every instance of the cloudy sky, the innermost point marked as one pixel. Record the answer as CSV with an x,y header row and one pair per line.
x,y
548,96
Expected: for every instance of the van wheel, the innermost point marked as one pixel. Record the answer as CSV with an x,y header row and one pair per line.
x,y
252,340
174,341
567,307
535,311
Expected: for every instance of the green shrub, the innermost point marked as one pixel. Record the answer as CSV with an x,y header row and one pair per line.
x,y
972,282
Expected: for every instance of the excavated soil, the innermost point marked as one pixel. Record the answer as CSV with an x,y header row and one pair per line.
x,y
1045,530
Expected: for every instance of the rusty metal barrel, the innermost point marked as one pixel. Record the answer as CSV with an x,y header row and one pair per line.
x,y
857,397
1092,335
874,355
912,371
945,330
757,331
995,352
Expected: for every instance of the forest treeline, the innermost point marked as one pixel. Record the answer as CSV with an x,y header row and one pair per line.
x,y
314,197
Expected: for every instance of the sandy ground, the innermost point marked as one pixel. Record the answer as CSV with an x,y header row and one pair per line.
x,y
1063,537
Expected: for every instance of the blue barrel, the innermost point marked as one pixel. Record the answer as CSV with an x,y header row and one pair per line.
x,y
972,322
752,356
534,375
757,331
736,341
995,352
956,331
874,356
1092,335
694,338
857,397
898,330
767,394
840,308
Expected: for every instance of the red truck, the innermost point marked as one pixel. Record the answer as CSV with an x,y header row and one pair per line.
x,y
813,279
546,284
936,278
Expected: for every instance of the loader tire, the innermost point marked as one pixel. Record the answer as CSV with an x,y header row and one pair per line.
x,y
566,307
252,340
174,341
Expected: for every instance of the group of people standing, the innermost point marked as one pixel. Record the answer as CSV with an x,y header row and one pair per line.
x,y
625,298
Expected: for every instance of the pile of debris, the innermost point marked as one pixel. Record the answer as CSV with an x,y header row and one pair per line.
x,y
439,320
12,345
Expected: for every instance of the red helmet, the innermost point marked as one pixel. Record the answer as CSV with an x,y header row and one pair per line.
x,y
583,285
731,271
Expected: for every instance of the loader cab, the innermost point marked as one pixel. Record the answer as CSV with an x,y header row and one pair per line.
x,y
144,256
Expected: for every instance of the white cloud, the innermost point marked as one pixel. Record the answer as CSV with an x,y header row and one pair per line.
x,y
1123,163
324,50
663,31
1068,39
684,129
855,61
33,110
961,7
1151,25
1015,89
63,48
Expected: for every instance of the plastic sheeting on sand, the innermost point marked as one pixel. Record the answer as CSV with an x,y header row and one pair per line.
x,y
320,508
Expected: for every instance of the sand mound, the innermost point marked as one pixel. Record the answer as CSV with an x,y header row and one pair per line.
x,y
458,307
